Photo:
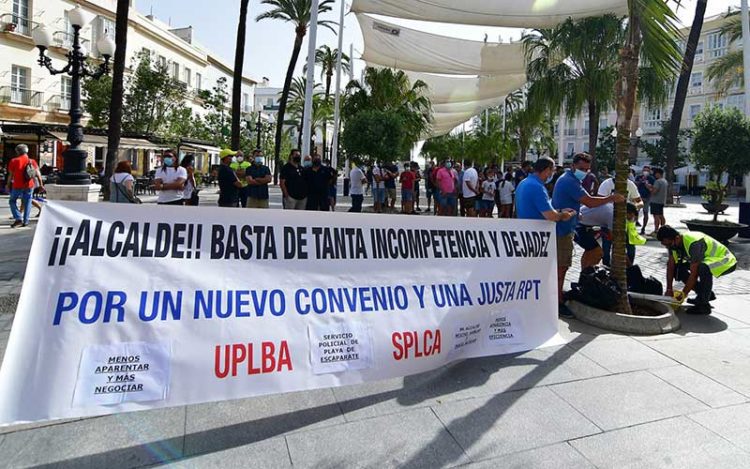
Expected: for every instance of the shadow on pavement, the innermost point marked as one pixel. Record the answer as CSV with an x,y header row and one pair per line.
x,y
417,388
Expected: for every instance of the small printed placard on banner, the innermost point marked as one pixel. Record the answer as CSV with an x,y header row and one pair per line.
x,y
505,328
335,348
126,372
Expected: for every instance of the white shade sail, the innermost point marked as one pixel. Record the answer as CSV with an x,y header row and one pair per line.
x,y
507,13
394,46
449,90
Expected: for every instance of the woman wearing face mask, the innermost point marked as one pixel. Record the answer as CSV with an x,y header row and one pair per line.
x,y
170,180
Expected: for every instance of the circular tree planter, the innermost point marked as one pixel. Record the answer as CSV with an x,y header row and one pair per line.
x,y
715,208
720,231
663,321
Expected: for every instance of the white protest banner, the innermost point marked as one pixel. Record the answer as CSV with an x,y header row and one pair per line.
x,y
129,307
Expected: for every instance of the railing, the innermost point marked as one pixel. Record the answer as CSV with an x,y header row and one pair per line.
x,y
22,96
58,103
695,90
64,40
571,132
12,23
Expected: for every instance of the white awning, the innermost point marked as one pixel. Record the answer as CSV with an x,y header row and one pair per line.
x,y
506,13
200,147
402,48
139,144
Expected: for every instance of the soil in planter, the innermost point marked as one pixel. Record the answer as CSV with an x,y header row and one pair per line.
x,y
640,310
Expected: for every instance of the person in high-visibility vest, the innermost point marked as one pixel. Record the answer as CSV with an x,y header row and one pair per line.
x,y
695,259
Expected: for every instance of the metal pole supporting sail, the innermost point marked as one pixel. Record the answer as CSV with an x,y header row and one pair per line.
x,y
307,117
745,18
337,99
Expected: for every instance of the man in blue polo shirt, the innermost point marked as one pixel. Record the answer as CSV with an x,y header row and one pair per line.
x,y
569,194
533,202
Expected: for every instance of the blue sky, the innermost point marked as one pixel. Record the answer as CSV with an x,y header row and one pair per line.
x,y
269,43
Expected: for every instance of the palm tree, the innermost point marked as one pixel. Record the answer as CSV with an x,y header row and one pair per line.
x,y
296,12
392,91
728,70
239,62
683,82
652,33
296,103
325,57
575,65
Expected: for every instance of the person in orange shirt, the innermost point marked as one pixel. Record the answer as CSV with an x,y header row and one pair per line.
x,y
22,171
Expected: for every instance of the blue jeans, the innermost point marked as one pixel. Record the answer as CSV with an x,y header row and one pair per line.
x,y
25,196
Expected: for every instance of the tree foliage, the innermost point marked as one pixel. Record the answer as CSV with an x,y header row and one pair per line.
x,y
97,98
152,98
390,92
372,135
720,143
657,152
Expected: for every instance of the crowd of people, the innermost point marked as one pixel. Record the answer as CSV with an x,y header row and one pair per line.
x,y
580,203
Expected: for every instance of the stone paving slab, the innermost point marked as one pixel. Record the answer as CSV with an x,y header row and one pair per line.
x,y
466,379
627,399
413,439
222,425
699,386
673,443
557,456
118,441
622,355
271,453
490,427
732,423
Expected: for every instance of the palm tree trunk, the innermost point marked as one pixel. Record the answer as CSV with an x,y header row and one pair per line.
x,y
682,90
118,89
627,86
239,62
594,113
284,97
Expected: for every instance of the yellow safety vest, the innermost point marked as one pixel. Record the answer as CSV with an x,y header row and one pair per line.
x,y
718,258
244,165
634,238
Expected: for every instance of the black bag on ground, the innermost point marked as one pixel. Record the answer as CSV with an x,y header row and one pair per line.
x,y
637,283
597,288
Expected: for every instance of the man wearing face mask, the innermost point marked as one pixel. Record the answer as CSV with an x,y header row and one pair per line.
x,y
569,194
695,259
239,166
319,180
258,176
293,185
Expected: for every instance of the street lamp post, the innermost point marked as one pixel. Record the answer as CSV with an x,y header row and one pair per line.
x,y
74,158
259,128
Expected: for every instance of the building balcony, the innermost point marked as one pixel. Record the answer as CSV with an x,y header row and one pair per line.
x,y
21,96
58,103
571,132
12,23
695,90
64,40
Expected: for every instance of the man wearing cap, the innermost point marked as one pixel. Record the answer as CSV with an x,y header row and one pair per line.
x,y
239,166
229,184
695,259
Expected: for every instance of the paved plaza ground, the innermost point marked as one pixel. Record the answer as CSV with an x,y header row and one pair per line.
x,y
680,400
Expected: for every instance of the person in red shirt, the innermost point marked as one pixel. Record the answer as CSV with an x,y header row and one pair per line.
x,y
407,179
21,185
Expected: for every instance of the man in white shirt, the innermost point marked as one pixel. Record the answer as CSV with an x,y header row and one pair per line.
x,y
170,180
357,180
470,188
607,188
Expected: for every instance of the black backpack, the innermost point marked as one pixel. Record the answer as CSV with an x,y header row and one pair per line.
x,y
637,283
597,288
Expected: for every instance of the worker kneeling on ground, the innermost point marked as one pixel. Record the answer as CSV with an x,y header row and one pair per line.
x,y
695,259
